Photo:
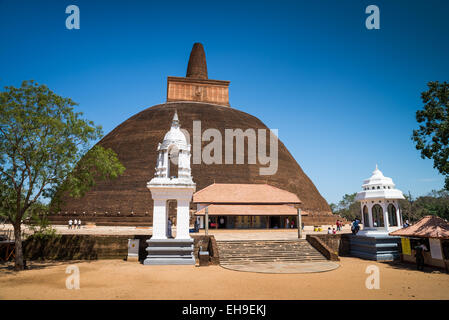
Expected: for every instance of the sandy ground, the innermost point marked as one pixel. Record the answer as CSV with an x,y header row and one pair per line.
x,y
116,279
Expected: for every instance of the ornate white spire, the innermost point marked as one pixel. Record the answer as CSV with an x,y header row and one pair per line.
x,y
379,186
377,174
173,162
175,121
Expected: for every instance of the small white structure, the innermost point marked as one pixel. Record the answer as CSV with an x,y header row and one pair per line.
x,y
169,184
379,202
172,182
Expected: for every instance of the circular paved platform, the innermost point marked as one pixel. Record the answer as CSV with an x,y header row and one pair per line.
x,y
284,267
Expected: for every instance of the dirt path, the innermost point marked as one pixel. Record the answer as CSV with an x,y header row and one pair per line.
x,y
116,279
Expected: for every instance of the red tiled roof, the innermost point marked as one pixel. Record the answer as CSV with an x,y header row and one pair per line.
x,y
250,210
427,227
244,193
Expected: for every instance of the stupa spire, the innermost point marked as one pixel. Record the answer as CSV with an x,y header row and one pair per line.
x,y
196,86
197,67
175,121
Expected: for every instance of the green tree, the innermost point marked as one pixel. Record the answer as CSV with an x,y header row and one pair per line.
x,y
407,208
435,203
432,136
347,207
42,141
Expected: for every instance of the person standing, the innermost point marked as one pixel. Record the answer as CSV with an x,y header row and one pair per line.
x,y
293,224
406,224
419,258
195,225
79,223
287,223
355,226
70,224
75,224
169,225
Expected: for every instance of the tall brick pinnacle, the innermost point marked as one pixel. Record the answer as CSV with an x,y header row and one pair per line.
x,y
197,67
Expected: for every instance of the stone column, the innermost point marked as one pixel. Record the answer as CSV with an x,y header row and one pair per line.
x,y
370,215
398,214
385,213
363,215
159,219
166,166
183,219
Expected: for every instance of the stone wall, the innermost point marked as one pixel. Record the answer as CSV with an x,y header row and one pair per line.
x,y
321,246
94,247
336,243
76,247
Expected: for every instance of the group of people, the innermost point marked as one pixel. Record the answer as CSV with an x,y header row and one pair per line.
x,y
339,225
289,224
74,224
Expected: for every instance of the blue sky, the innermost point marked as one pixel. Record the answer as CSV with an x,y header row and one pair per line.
x,y
343,97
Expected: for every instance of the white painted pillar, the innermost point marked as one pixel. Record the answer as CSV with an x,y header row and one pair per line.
x,y
166,164
398,214
183,219
159,219
385,213
363,215
370,214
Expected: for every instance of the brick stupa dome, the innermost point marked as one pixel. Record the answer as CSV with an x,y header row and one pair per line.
x,y
135,141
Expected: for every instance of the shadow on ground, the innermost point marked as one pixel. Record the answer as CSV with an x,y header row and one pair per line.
x,y
412,267
8,267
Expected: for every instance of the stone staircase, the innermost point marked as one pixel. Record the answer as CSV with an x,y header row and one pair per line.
x,y
379,248
262,251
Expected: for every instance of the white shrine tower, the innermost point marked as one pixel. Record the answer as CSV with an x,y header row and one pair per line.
x,y
379,201
172,182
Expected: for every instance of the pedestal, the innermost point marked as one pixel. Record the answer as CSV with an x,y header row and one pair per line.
x,y
170,252
375,245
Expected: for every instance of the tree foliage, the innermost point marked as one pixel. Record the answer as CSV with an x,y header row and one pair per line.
x,y
41,141
435,203
347,207
432,136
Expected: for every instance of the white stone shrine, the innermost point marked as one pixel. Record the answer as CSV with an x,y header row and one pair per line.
x,y
379,201
172,182
381,214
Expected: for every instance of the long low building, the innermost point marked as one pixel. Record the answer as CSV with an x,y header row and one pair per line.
x,y
247,206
